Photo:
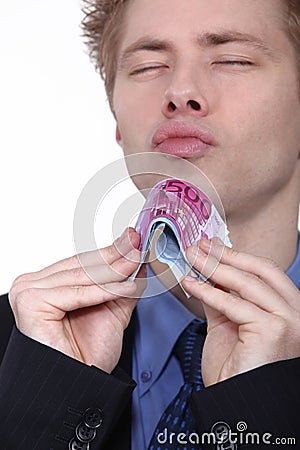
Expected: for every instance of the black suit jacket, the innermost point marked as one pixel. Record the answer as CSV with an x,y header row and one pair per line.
x,y
44,396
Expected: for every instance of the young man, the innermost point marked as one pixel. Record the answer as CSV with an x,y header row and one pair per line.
x,y
176,71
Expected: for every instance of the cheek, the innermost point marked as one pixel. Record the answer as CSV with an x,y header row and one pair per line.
x,y
267,121
261,136
132,125
281,141
137,107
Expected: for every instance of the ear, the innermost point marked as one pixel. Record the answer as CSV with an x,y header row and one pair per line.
x,y
118,136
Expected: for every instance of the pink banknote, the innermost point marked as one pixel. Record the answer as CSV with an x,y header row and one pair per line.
x,y
184,214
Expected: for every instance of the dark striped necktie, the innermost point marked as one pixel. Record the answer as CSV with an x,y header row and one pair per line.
x,y
178,417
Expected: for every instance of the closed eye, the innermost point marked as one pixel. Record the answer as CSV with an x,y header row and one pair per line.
x,y
146,69
235,62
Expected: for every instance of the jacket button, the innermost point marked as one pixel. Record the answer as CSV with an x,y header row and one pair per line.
x,y
84,433
93,417
74,444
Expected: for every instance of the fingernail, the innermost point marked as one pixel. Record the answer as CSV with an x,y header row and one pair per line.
x,y
217,240
205,244
133,255
128,284
197,252
190,279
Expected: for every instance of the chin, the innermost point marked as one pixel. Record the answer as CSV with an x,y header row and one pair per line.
x,y
145,182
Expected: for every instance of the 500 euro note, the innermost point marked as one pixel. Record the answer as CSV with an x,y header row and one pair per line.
x,y
176,215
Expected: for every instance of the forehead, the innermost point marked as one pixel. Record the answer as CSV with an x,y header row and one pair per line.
x,y
180,20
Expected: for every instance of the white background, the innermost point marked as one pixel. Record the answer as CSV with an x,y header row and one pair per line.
x,y
56,132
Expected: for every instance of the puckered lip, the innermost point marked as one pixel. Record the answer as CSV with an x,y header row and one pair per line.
x,y
181,130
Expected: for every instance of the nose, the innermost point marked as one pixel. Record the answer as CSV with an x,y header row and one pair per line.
x,y
184,96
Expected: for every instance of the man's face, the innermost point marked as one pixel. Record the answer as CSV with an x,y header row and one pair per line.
x,y
215,82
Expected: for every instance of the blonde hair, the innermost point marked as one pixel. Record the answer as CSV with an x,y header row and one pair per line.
x,y
102,24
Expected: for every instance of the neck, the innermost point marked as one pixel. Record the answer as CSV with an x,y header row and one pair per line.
x,y
271,231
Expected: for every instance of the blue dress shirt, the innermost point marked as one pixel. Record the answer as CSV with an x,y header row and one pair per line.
x,y
161,320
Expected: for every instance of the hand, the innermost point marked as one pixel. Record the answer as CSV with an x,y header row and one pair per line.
x,y
64,308
253,311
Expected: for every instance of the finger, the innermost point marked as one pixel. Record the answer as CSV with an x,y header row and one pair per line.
x,y
128,241
266,269
54,302
250,287
80,276
237,310
123,245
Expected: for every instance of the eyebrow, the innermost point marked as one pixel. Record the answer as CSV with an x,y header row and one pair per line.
x,y
226,37
146,43
204,40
